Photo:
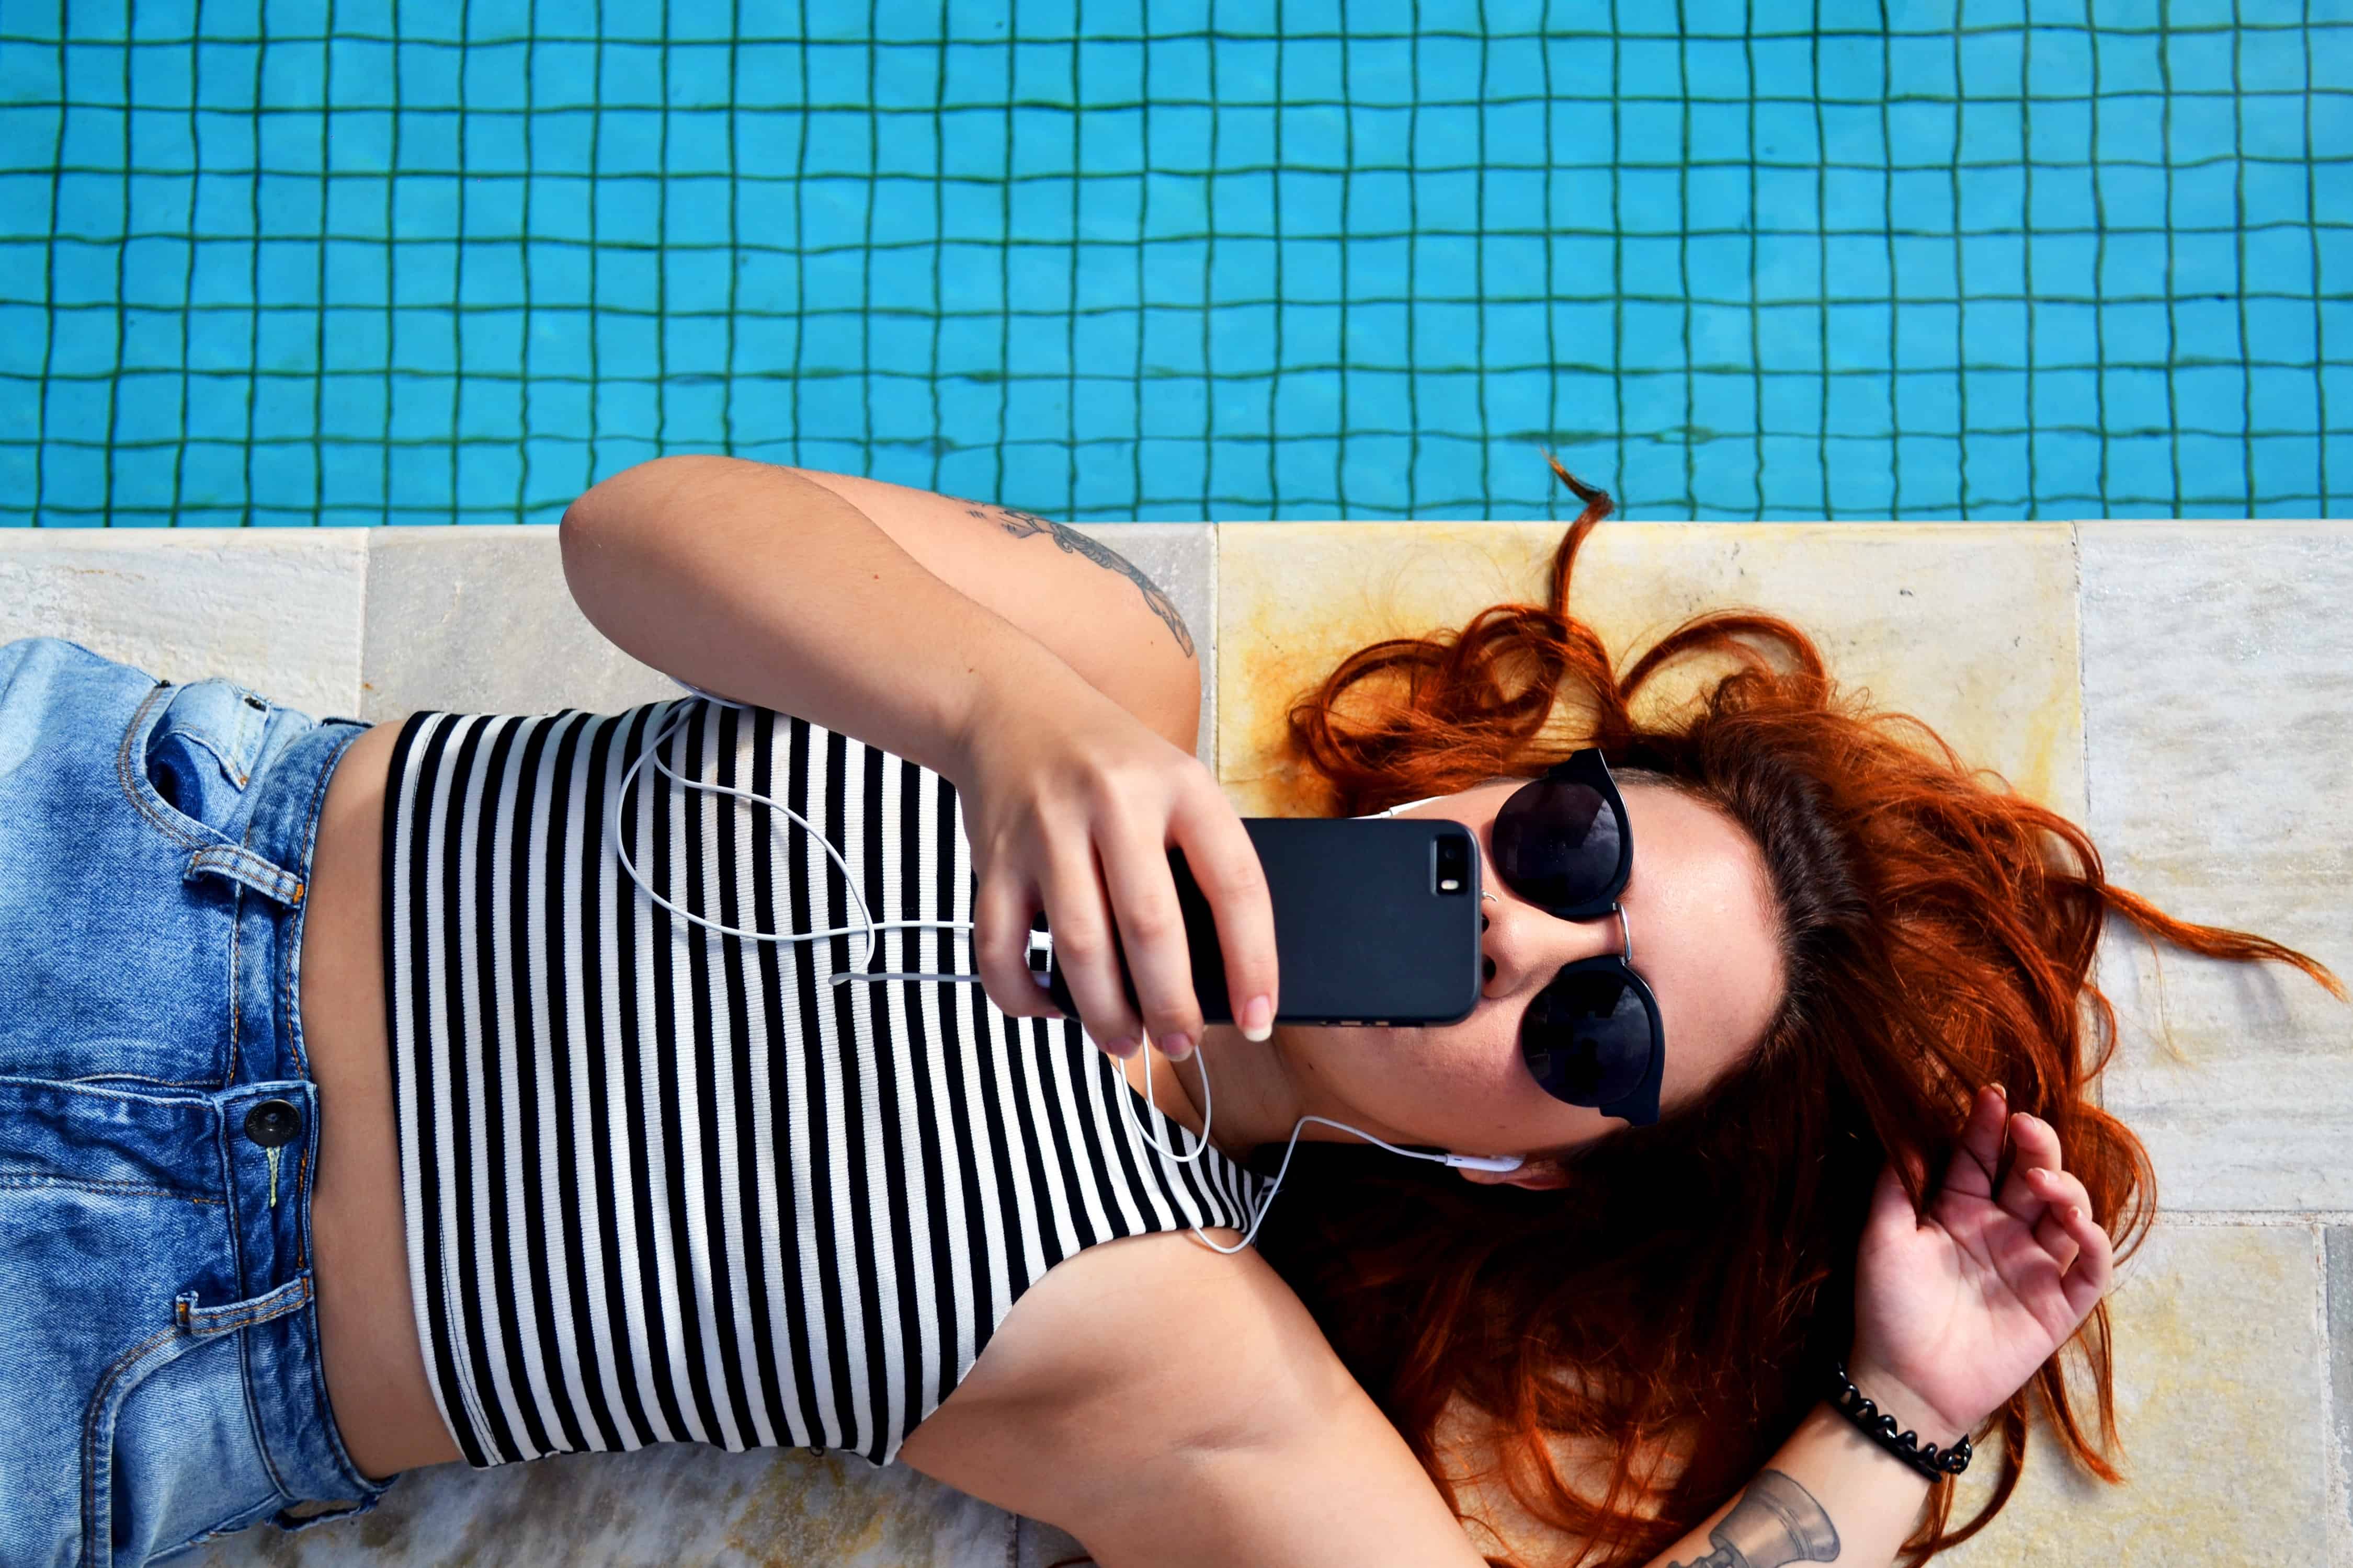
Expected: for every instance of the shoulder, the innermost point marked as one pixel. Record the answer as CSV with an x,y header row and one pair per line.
x,y
1121,1355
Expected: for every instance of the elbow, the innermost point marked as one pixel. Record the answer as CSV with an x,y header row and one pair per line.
x,y
596,508
637,529
607,535
645,492
588,540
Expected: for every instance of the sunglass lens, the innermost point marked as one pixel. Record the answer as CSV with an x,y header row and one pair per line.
x,y
1586,1037
1558,844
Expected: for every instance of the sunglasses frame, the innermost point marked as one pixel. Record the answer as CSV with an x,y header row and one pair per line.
x,y
1640,1107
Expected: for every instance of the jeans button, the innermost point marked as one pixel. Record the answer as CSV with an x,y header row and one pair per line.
x,y
273,1123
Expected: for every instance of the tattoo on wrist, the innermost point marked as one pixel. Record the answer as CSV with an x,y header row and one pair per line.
x,y
1774,1522
1023,525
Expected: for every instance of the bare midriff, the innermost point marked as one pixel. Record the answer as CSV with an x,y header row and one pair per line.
x,y
384,1408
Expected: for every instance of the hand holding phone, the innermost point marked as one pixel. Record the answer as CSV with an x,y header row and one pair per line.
x,y
1072,804
1375,922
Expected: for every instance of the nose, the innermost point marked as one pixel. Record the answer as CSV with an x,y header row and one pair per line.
x,y
1524,946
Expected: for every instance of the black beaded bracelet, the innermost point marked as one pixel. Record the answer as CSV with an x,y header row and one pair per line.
x,y
1927,1457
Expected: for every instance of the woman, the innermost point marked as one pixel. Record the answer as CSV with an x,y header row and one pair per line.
x,y
583,1169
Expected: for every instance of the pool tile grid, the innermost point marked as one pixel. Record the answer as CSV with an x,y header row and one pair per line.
x,y
307,264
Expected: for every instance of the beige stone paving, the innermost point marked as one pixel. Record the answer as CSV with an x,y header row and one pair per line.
x,y
2218,679
674,1504
1970,626
2223,1349
2220,1404
284,605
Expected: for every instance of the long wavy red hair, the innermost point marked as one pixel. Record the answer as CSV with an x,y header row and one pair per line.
x,y
1938,932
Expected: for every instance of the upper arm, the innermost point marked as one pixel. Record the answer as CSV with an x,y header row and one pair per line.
x,y
1081,598
1167,1405
1334,1487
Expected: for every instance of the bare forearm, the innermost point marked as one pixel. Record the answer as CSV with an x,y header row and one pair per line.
x,y
751,581
1828,1495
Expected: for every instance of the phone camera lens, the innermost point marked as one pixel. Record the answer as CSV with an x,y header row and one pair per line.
x,y
1453,874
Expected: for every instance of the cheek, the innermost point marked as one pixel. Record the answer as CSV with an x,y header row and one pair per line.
x,y
1461,1086
1387,1065
1472,1068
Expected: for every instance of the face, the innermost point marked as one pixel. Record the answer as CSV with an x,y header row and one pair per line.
x,y
1700,907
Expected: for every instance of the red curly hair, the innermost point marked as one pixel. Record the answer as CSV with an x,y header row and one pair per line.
x,y
1938,932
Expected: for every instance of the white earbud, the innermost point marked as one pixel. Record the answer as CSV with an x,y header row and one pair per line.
x,y
1498,1163
1392,811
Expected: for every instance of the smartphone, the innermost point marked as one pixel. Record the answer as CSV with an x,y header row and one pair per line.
x,y
1375,923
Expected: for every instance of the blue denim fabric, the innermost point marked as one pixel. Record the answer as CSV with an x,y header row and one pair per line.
x,y
160,1378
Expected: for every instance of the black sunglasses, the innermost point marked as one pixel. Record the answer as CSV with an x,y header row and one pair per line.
x,y
1592,1036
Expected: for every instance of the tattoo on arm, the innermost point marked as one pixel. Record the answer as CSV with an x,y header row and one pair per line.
x,y
1022,525
1775,1524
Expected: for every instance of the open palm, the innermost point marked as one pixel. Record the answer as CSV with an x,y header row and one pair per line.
x,y
1954,1309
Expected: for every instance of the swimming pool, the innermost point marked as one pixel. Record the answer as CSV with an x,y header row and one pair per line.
x,y
328,262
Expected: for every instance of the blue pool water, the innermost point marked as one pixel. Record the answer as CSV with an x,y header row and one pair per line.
x,y
328,262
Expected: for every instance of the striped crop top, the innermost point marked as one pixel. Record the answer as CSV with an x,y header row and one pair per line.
x,y
664,1185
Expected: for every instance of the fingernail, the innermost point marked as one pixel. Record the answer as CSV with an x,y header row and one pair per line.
x,y
1257,1019
1123,1047
1175,1048
1999,1089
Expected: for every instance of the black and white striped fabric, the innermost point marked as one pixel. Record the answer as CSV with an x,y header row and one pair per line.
x,y
662,1185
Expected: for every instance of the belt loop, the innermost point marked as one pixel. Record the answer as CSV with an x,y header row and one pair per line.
x,y
238,864
203,1321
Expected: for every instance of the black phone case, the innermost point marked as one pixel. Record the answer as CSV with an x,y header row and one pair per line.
x,y
1362,934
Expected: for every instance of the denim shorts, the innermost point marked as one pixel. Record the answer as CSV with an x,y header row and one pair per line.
x,y
160,1377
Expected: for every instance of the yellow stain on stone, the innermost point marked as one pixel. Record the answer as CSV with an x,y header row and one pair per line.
x,y
2220,1368
796,1513
1971,628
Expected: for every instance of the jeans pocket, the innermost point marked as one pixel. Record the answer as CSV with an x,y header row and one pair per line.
x,y
170,1454
200,754
119,1424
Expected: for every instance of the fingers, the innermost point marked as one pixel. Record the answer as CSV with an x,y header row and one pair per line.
x,y
1127,914
1224,862
1001,912
2051,1234
1141,885
1971,1170
2038,1192
1086,831
1084,949
2038,1148
1088,952
2054,1201
2060,1191
1159,958
2059,1206
2093,1269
